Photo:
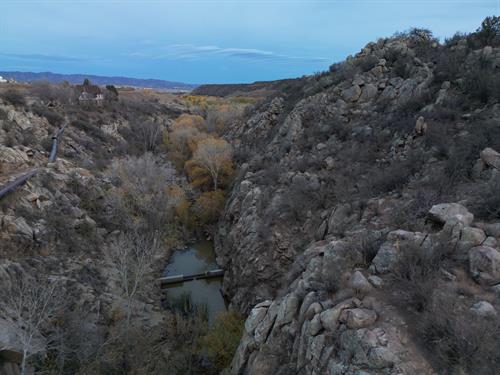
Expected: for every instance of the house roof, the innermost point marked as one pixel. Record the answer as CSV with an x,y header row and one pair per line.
x,y
89,89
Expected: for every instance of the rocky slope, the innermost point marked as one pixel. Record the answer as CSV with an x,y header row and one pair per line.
x,y
351,194
57,225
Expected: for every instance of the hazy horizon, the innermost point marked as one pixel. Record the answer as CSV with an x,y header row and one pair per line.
x,y
212,42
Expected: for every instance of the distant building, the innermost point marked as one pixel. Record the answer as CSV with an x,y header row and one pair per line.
x,y
89,93
3,80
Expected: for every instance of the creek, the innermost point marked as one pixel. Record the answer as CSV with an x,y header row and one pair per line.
x,y
196,258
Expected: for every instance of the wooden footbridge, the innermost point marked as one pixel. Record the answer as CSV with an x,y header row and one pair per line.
x,y
176,279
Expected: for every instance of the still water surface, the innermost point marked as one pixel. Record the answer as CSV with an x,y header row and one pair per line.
x,y
197,258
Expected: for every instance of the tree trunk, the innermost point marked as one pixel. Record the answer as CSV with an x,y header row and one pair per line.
x,y
23,362
129,312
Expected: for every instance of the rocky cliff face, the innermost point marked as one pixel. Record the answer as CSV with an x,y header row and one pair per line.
x,y
354,327
342,176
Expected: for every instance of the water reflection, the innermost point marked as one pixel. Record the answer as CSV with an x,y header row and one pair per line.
x,y
197,258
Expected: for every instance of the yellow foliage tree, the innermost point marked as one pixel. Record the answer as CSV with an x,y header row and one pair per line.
x,y
185,133
212,157
181,209
220,117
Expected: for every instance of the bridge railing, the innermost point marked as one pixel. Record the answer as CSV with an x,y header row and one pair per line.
x,y
182,278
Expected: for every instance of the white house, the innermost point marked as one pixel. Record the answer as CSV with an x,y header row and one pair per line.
x,y
2,80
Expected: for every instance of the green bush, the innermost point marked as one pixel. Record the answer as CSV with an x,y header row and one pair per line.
x,y
482,83
223,338
489,32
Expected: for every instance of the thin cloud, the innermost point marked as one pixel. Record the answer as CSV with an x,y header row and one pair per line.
x,y
194,52
40,57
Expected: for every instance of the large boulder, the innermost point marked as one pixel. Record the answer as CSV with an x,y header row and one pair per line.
x,y
16,225
13,155
491,157
342,217
330,318
484,264
483,308
369,92
492,229
256,316
444,212
390,252
465,238
359,283
287,310
359,318
351,94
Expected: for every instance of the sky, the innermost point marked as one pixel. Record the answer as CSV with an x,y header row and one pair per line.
x,y
208,41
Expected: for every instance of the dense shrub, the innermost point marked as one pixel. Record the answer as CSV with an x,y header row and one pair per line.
x,y
416,273
28,138
367,63
52,117
297,200
333,275
343,72
46,143
91,198
47,92
449,65
486,199
463,152
13,97
402,67
458,339
422,41
218,119
369,245
223,338
488,34
10,140
142,136
68,233
209,206
482,83
413,105
139,199
393,177
411,213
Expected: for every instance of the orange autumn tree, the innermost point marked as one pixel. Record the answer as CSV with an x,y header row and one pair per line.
x,y
212,161
209,206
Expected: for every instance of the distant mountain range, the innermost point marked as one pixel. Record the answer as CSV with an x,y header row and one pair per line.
x,y
99,80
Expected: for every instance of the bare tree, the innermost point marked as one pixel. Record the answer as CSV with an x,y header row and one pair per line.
x,y
132,256
148,134
214,155
32,305
140,200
